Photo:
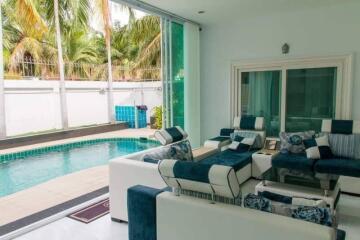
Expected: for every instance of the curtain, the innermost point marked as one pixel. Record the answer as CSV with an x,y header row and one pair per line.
x,y
264,98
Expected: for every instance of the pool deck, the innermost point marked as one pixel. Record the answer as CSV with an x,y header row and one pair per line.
x,y
62,189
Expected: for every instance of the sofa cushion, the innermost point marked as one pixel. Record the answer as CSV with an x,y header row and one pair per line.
x,y
180,151
170,135
257,202
318,148
258,144
226,132
345,145
212,179
339,166
313,214
298,201
340,126
294,161
220,139
241,144
249,123
317,215
229,158
293,142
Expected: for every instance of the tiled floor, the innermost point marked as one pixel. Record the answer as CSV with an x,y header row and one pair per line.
x,y
104,229
59,190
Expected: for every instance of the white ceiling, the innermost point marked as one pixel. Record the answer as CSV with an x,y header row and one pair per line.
x,y
229,10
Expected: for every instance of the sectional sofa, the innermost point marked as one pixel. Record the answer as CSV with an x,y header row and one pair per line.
x,y
330,169
138,169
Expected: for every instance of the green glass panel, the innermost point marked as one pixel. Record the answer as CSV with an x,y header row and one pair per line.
x,y
177,76
260,97
310,97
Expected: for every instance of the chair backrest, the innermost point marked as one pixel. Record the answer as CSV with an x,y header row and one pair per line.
x,y
170,135
211,179
249,123
340,126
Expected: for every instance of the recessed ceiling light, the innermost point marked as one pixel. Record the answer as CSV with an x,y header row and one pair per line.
x,y
201,12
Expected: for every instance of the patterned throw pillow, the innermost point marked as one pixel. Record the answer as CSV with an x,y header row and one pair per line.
x,y
318,148
293,142
180,151
241,144
257,143
257,202
313,214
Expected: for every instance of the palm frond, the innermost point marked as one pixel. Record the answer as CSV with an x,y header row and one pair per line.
x,y
29,17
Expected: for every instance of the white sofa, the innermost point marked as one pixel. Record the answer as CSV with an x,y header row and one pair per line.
x,y
130,170
183,217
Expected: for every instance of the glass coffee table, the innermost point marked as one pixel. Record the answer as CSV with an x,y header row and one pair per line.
x,y
299,184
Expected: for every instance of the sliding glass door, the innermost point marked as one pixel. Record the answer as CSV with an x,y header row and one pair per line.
x,y
173,73
310,97
260,96
290,98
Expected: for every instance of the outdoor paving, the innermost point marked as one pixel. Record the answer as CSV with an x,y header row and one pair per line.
x,y
62,189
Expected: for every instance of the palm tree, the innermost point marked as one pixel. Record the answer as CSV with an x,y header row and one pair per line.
x,y
136,44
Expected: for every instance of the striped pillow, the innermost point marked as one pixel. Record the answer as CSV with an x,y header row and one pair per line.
x,y
346,146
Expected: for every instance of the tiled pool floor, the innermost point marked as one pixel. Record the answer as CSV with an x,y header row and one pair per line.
x,y
62,189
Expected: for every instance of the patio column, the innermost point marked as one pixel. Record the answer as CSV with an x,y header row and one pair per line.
x,y
63,104
107,32
192,83
2,88
110,89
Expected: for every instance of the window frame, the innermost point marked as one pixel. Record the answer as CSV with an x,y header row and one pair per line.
x,y
343,63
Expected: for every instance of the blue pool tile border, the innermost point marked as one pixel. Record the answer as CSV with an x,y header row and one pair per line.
x,y
55,148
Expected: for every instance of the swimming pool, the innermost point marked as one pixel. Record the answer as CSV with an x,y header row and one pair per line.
x,y
22,170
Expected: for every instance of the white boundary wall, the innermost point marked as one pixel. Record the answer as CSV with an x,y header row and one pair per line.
x,y
34,105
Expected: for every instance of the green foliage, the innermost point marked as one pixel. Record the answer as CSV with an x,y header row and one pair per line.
x,y
158,117
136,45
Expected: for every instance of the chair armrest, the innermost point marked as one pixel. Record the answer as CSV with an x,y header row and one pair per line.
x,y
203,152
125,173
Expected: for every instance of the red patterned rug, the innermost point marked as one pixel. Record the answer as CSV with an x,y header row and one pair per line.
x,y
92,212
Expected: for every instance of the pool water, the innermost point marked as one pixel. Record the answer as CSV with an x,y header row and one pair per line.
x,y
23,170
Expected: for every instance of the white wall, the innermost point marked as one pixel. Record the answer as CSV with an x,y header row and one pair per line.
x,y
33,106
322,31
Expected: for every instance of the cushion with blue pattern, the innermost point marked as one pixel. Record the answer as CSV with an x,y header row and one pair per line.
x,y
313,214
180,151
293,142
318,148
257,202
318,215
